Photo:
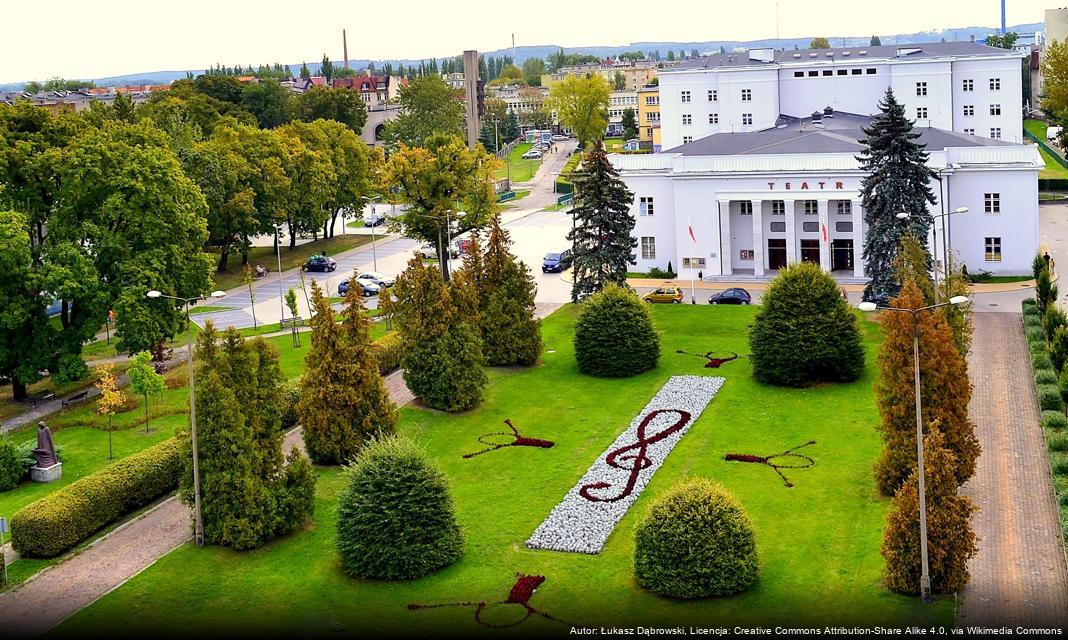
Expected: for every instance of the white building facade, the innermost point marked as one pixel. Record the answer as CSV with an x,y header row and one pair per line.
x,y
958,86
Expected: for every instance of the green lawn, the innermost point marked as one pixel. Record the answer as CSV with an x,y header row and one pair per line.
x,y
291,258
818,542
1053,168
520,170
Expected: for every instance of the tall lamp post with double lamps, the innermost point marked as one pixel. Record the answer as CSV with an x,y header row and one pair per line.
x,y
925,570
198,521
904,215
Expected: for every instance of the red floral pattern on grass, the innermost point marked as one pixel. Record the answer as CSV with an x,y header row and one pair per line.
x,y
805,461
521,593
517,441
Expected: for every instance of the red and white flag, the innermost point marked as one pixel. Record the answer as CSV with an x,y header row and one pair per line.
x,y
823,228
689,228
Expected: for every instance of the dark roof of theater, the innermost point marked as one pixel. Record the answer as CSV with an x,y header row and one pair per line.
x,y
803,56
839,134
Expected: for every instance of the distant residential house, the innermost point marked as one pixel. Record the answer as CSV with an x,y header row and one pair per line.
x,y
375,91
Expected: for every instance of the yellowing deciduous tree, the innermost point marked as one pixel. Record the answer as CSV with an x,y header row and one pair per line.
x,y
581,104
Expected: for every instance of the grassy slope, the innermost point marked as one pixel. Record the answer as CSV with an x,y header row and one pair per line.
x,y
521,170
818,542
1053,168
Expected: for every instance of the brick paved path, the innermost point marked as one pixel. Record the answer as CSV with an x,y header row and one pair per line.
x,y
1019,575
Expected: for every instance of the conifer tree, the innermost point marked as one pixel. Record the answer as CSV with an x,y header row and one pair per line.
x,y
897,180
603,224
950,539
913,263
343,402
511,127
442,348
944,390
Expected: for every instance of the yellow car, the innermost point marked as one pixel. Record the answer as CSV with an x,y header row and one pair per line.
x,y
665,294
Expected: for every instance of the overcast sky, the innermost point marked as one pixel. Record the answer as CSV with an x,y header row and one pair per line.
x,y
96,38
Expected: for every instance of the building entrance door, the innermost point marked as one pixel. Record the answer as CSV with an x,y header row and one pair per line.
x,y
841,255
810,251
776,253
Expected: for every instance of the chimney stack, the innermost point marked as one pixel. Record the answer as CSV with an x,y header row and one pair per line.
x,y
471,94
345,47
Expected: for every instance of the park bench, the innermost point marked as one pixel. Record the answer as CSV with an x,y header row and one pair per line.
x,y
33,400
78,397
291,322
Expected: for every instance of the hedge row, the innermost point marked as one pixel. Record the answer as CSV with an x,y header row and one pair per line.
x,y
1054,422
60,521
390,351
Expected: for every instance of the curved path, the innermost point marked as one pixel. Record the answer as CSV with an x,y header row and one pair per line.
x,y
1019,576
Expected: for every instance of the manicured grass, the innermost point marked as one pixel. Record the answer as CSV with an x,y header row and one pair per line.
x,y
818,542
1005,279
291,258
1053,168
1051,197
521,170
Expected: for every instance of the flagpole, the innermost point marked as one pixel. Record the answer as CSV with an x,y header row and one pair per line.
x,y
693,296
689,229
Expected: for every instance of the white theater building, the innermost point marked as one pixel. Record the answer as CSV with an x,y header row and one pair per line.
x,y
761,160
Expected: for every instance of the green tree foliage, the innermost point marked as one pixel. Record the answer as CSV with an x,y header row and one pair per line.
x,y
950,540
305,72
428,106
630,124
340,105
1054,97
695,541
805,332
944,390
442,349
268,101
533,70
875,42
819,43
1054,318
222,88
913,263
602,236
1045,291
249,495
343,403
1006,41
11,467
615,336
581,104
396,519
510,333
327,68
1058,348
896,180
143,379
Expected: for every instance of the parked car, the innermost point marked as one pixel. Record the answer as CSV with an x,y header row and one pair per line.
x,y
730,296
614,131
556,261
380,279
367,288
428,251
561,138
532,154
373,219
319,263
665,294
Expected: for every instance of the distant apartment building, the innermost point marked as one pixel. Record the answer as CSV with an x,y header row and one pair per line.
x,y
76,101
454,80
519,99
620,101
649,117
635,74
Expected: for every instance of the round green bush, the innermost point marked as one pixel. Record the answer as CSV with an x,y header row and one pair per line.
x,y
1058,442
1041,361
695,541
1054,420
1029,302
395,518
1060,486
1045,376
615,336
1049,397
11,467
1038,347
805,332
1059,463
1035,334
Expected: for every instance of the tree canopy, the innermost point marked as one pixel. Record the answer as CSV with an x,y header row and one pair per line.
x,y
581,104
428,106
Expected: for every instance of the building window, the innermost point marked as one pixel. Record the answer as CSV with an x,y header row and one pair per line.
x,y
995,109
969,85
687,139
870,71
970,132
652,100
747,95
645,206
813,74
995,84
799,74
995,133
778,227
992,203
687,118
921,113
845,208
778,207
746,254
648,248
843,72
993,249
810,227
857,72
921,88
713,118
685,96
811,207
828,72
713,95
969,109
693,263
746,207
843,227
747,118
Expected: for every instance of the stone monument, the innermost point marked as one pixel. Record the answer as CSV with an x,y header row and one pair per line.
x,y
48,467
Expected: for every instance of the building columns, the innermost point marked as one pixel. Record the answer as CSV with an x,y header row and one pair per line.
x,y
791,232
725,237
758,237
858,238
825,234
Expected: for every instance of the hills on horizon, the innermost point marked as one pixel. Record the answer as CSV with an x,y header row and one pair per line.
x,y
522,53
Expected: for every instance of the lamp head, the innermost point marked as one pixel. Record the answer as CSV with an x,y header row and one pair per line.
x,y
153,294
961,210
867,306
218,294
958,300
902,216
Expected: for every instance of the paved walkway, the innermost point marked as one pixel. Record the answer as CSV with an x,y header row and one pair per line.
x,y
1019,575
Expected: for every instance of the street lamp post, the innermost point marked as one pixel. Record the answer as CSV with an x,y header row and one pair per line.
x,y
278,251
198,521
374,223
925,570
904,215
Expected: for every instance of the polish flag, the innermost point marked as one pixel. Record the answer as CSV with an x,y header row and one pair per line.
x,y
689,227
823,228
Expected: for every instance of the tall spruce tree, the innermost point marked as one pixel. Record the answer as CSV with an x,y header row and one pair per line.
x,y
603,225
343,402
510,332
897,180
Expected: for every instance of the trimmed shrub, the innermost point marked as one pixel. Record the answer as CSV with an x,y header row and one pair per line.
x,y
11,467
446,371
1035,334
58,522
805,332
1029,303
695,541
390,352
1058,462
1057,442
1058,348
1049,397
396,519
290,398
1034,320
1060,486
1041,361
1038,348
1053,319
615,336
1054,420
1045,376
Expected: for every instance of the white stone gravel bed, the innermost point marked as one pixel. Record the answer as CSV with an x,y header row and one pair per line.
x,y
580,525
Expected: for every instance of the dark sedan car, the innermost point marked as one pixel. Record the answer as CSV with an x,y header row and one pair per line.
x,y
730,296
319,263
367,289
557,261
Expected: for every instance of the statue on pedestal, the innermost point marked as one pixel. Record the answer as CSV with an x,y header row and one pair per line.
x,y
48,467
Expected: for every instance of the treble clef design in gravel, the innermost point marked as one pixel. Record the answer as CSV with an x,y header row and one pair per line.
x,y
637,461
